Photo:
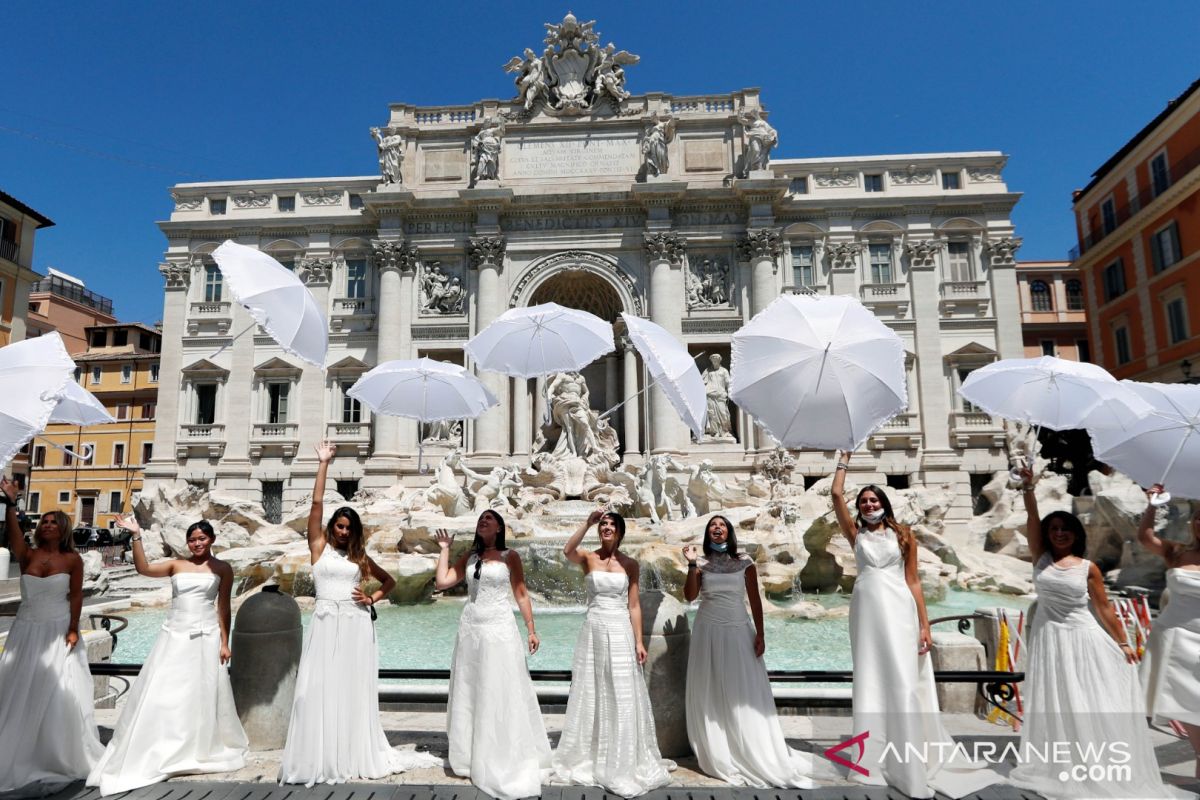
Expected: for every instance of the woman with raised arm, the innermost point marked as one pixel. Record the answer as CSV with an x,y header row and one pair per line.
x,y
1168,670
179,718
731,719
48,734
335,734
493,721
1081,685
894,695
608,737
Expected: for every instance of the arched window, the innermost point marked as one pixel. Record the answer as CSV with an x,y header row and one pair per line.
x,y
1039,296
1074,295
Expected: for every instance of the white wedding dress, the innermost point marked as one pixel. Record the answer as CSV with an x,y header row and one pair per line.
x,y
48,734
335,734
1170,667
493,721
608,737
731,719
1079,689
179,718
894,694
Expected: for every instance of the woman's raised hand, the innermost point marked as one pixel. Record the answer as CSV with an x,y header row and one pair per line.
x,y
691,552
129,522
1156,489
444,538
325,450
595,516
10,488
1027,477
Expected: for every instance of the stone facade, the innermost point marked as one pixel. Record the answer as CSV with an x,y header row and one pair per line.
x,y
570,212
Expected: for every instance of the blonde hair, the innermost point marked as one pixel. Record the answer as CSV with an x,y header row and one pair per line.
x,y
66,542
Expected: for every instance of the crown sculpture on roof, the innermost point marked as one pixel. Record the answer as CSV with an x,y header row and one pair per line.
x,y
574,73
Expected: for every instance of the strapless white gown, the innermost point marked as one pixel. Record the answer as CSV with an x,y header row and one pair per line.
x,y
48,734
493,721
1170,670
335,734
179,718
608,737
1080,690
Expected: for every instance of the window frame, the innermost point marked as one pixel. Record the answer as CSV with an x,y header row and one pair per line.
x,y
218,206
154,372
351,407
1122,346
798,266
1157,253
95,375
278,394
873,182
196,387
354,278
1108,215
1083,350
119,460
1034,296
290,201
1176,300
1111,290
1159,158
871,264
953,175
1053,347
969,262
214,284
119,506
33,503
64,497
1078,294
127,373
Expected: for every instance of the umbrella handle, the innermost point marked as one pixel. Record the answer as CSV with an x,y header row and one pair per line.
x,y
634,396
223,347
86,456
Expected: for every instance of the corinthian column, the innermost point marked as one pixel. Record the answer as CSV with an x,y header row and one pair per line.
x,y
315,272
491,428
762,247
664,254
393,260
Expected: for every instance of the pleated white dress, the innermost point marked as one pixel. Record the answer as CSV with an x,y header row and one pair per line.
x,y
179,718
894,694
48,734
1080,690
335,734
731,720
608,737
493,721
1170,670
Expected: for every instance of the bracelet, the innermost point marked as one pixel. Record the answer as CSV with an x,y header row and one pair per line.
x,y
691,565
1028,489
135,538
841,466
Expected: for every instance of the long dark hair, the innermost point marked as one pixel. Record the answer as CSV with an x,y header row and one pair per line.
x,y
903,534
204,527
356,547
477,542
1071,523
618,522
731,540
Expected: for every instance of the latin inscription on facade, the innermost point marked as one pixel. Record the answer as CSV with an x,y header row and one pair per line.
x,y
572,223
539,157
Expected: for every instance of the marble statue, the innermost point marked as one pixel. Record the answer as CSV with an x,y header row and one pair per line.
x,y
446,493
659,133
716,390
761,137
659,495
610,74
705,490
443,431
570,409
441,293
391,153
485,151
531,77
498,489
708,283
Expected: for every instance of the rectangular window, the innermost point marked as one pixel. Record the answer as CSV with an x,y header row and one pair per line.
x,y
64,497
33,503
356,201
278,399
95,375
212,284
1160,176
351,408
206,403
1164,247
147,452
154,372
967,406
1047,347
950,180
118,454
1121,338
1114,280
143,341
799,186
1177,327
122,410
802,266
148,410
873,183
1084,348
98,338
216,207
1108,213
881,263
287,203
39,456
356,277
126,373
120,337
116,503
79,374
958,261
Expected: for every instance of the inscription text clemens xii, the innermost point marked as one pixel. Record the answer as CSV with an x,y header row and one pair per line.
x,y
527,157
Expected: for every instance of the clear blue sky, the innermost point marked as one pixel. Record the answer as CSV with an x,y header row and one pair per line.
x,y
106,105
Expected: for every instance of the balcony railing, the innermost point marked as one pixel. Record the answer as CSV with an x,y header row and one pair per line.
x,y
217,309
10,251
964,289
901,423
203,431
809,289
69,290
276,431
1142,199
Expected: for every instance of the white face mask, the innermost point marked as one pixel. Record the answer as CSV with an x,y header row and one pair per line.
x,y
875,516
720,547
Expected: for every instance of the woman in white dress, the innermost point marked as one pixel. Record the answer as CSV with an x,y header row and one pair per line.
x,y
1168,669
48,734
493,721
335,734
731,720
894,695
179,718
1081,685
608,737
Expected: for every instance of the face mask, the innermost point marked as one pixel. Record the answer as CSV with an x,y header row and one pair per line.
x,y
876,516
720,548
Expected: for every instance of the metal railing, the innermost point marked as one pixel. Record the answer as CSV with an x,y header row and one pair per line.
x,y
70,290
9,250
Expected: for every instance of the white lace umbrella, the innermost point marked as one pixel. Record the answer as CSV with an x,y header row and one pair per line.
x,y
424,390
540,340
1162,447
36,372
819,372
673,370
78,406
277,300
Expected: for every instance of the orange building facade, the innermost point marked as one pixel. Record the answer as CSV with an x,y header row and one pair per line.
x,y
1053,310
1138,223
60,302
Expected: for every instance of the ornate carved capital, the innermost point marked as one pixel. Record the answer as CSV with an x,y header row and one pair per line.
x,y
487,250
1003,251
393,255
761,243
923,252
843,254
314,271
178,276
665,247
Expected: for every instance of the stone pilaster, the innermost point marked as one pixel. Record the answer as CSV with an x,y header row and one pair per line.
x,y
664,255
168,411
486,255
762,248
316,272
1006,303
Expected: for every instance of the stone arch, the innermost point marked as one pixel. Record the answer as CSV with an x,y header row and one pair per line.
x,y
960,225
282,246
351,243
881,226
803,230
599,280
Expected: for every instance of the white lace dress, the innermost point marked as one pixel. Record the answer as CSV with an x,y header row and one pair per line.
x,y
1170,670
608,737
335,734
731,719
180,718
493,721
48,734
